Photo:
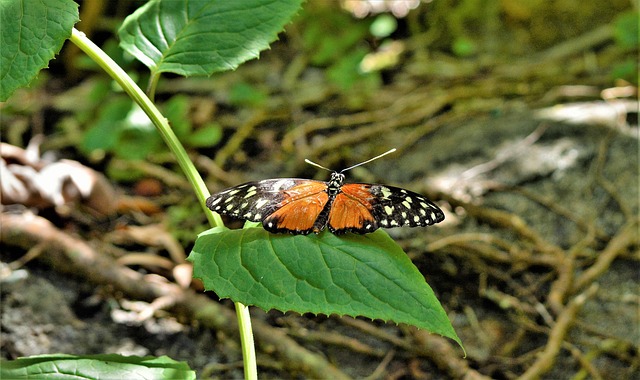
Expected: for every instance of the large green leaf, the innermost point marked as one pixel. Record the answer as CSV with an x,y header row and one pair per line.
x,y
200,37
358,275
109,366
31,34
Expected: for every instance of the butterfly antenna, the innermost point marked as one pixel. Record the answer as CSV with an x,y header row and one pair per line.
x,y
314,164
369,160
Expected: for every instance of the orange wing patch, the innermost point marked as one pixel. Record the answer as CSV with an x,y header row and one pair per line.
x,y
299,209
351,210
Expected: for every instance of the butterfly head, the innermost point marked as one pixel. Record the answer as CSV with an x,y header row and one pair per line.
x,y
335,183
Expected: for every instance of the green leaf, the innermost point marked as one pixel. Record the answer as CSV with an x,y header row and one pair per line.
x,y
464,47
244,94
31,34
138,136
325,48
357,275
626,30
200,37
105,130
208,135
124,129
176,110
383,25
110,366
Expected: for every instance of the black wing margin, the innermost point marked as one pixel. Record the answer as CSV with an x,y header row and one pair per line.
x,y
396,207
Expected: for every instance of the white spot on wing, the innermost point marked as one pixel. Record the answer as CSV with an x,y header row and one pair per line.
x,y
251,192
261,202
385,192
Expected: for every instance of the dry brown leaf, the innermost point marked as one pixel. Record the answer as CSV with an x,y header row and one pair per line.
x,y
29,180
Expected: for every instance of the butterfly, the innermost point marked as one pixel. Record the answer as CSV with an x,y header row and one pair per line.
x,y
301,206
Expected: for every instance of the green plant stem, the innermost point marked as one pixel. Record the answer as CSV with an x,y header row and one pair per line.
x,y
153,83
246,337
162,124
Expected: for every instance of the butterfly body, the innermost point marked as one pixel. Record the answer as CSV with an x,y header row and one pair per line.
x,y
302,206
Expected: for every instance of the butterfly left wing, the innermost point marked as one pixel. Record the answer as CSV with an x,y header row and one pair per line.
x,y
362,208
282,205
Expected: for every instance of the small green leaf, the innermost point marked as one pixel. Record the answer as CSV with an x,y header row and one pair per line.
x,y
200,37
105,130
124,129
383,25
110,366
176,110
31,34
244,94
464,47
357,275
326,48
626,30
207,136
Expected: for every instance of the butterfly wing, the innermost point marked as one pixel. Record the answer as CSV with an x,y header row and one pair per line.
x,y
394,207
282,205
352,210
362,208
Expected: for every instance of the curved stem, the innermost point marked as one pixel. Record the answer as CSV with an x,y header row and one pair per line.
x,y
162,124
153,84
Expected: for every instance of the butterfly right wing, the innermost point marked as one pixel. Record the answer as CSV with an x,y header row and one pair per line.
x,y
363,207
282,205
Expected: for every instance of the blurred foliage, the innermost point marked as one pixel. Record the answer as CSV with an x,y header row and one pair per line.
x,y
244,94
383,25
123,129
341,50
181,221
626,35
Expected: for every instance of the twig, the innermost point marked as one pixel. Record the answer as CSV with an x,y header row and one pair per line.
x,y
564,322
566,272
444,355
235,142
377,373
627,237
